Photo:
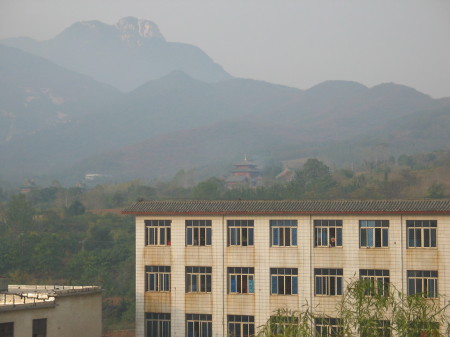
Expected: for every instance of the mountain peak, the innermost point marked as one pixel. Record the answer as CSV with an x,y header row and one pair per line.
x,y
129,26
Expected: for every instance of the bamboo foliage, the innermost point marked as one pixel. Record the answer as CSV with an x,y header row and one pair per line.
x,y
366,311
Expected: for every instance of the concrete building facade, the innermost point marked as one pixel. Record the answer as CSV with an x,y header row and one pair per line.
x,y
219,268
50,311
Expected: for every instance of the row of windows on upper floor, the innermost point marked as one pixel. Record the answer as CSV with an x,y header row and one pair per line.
x,y
283,233
284,281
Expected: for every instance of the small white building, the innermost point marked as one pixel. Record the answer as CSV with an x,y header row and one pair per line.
x,y
50,311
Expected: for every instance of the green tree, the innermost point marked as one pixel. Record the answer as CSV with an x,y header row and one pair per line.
x,y
209,189
312,181
76,208
436,191
19,213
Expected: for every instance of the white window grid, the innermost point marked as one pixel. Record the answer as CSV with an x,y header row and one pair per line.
x,y
157,278
374,233
423,282
241,280
283,233
378,280
328,233
284,281
198,325
241,326
328,282
328,327
198,279
240,232
157,232
421,233
198,233
157,325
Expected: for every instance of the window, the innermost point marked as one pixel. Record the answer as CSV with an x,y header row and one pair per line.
x,y
157,232
374,233
285,326
328,282
284,281
241,326
198,279
283,233
328,327
241,280
40,327
198,232
423,282
198,325
327,233
377,279
423,329
7,329
421,233
379,328
157,324
240,232
157,278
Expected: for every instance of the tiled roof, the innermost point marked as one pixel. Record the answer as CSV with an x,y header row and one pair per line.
x,y
267,207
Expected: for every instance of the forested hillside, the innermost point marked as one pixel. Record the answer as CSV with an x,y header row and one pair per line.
x,y
58,235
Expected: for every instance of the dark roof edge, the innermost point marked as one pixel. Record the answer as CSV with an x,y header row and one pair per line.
x,y
292,213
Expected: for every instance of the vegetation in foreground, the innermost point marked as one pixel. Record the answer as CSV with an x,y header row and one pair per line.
x,y
365,311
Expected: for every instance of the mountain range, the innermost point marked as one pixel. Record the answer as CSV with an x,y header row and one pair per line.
x,y
125,55
57,123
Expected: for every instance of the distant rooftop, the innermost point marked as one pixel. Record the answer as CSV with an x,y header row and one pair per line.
x,y
19,297
294,207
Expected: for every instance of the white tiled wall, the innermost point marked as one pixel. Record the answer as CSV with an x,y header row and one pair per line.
x,y
262,257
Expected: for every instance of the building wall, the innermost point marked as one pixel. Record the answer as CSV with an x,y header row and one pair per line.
x,y
350,257
72,316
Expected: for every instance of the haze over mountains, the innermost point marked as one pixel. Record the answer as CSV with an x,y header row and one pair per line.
x,y
125,55
188,114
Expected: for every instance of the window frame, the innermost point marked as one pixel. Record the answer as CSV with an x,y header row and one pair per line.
x,y
236,230
245,324
323,229
377,228
425,278
287,276
7,329
201,325
331,281
282,231
244,280
198,233
332,326
202,277
158,232
40,327
418,229
383,328
376,277
159,276
162,321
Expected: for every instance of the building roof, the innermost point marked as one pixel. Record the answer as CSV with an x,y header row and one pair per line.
x,y
19,297
300,207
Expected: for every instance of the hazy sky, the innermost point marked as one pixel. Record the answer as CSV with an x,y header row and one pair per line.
x,y
294,42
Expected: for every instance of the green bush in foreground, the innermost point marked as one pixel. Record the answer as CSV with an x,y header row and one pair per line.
x,y
366,310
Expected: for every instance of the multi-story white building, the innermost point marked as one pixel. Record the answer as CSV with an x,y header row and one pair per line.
x,y
219,268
